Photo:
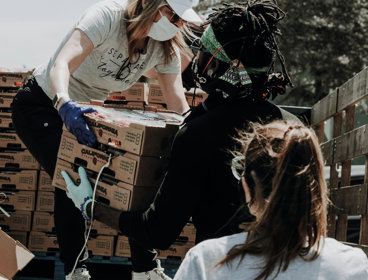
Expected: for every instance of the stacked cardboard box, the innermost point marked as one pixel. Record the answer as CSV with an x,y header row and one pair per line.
x,y
139,144
18,168
178,249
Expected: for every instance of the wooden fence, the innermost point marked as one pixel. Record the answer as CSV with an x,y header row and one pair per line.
x,y
346,144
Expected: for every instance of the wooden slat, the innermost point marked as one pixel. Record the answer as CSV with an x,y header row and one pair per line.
x,y
350,200
324,108
342,227
352,144
334,177
363,237
320,132
337,125
353,91
331,225
328,151
363,247
349,118
345,173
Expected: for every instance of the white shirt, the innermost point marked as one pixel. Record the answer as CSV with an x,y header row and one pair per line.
x,y
336,262
105,26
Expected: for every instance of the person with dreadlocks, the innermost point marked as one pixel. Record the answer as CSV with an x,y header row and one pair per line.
x,y
280,166
234,64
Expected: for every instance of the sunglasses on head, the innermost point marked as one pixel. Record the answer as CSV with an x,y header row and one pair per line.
x,y
237,167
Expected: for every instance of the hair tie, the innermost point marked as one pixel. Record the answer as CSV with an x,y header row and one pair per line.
x,y
246,13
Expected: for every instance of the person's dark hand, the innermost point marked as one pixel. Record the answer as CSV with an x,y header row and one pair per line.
x,y
72,115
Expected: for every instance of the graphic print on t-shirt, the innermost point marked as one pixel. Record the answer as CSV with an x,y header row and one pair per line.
x,y
115,65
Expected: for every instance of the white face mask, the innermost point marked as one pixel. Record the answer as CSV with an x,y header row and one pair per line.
x,y
163,30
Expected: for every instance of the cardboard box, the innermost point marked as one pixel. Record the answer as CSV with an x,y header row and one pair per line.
x,y
139,132
18,160
21,236
45,182
126,167
6,99
18,180
155,94
11,140
175,251
137,92
18,200
18,220
43,221
102,245
102,229
14,256
122,248
45,201
42,242
188,233
13,79
114,193
6,120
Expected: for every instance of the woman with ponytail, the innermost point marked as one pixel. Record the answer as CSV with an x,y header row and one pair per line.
x,y
281,171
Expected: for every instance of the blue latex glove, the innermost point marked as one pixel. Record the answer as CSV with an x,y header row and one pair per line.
x,y
72,115
81,195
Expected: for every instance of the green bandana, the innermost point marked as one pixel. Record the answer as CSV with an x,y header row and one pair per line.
x,y
210,42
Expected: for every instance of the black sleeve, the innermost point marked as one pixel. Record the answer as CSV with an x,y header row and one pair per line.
x,y
175,201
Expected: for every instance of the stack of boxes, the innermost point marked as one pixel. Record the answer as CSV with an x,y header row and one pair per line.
x,y
18,169
139,144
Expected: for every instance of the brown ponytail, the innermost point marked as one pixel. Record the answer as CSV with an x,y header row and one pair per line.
x,y
291,194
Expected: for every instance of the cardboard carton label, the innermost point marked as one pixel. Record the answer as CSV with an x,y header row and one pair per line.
x,y
18,200
137,92
18,159
122,248
18,180
101,245
155,94
45,201
42,242
6,99
18,220
102,229
45,182
14,256
43,221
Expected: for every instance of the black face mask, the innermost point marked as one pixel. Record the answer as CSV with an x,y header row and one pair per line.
x,y
219,76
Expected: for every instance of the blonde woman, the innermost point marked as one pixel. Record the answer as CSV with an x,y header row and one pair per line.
x,y
281,171
111,46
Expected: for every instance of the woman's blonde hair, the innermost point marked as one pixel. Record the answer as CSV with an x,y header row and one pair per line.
x,y
283,169
139,22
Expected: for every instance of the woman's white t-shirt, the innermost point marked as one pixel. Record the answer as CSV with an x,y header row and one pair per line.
x,y
105,26
336,262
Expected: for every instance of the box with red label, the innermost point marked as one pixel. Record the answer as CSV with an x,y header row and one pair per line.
x,y
11,140
45,182
6,99
45,201
18,220
101,245
43,221
18,180
18,200
136,131
137,92
131,105
6,119
13,79
18,160
42,242
122,248
114,193
126,167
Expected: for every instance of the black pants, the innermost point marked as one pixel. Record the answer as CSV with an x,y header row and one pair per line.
x,y
40,127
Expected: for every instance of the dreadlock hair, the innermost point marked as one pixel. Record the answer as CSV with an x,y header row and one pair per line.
x,y
283,170
253,22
